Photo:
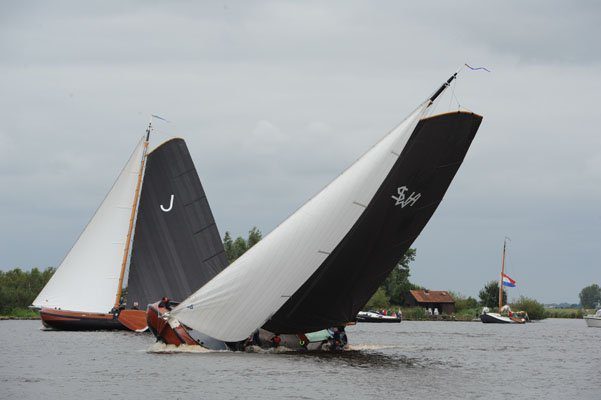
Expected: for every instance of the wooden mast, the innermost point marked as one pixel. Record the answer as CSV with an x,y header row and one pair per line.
x,y
132,219
502,273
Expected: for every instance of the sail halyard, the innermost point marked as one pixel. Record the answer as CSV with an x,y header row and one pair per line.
x,y
134,210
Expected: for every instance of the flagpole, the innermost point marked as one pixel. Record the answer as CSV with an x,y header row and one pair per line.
x,y
502,273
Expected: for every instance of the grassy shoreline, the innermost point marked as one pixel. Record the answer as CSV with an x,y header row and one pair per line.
x,y
20,313
573,313
418,314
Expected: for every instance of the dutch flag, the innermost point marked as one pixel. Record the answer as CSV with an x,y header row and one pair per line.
x,y
507,281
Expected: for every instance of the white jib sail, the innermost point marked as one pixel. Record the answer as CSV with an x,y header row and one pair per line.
x,y
247,293
88,277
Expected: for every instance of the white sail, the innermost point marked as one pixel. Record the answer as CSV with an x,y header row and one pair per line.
x,y
88,277
247,293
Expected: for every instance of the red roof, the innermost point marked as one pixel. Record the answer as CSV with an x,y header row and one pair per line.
x,y
432,296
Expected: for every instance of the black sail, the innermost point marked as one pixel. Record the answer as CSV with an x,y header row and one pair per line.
x,y
176,246
350,275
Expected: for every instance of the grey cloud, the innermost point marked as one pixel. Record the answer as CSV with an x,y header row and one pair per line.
x,y
276,98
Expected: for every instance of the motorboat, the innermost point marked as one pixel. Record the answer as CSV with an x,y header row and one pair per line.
x,y
370,316
593,320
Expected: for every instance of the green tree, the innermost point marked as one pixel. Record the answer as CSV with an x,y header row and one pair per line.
x,y
228,245
235,248
240,247
19,288
254,236
462,302
397,282
534,309
378,301
489,295
590,296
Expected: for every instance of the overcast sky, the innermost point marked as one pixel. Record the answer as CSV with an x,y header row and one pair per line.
x,y
276,98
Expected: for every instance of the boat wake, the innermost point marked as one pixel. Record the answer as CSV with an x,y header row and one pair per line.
x,y
162,348
371,347
276,350
360,356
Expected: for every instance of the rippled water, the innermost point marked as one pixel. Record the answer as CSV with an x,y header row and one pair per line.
x,y
553,359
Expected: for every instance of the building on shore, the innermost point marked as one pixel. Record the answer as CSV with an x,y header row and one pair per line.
x,y
435,301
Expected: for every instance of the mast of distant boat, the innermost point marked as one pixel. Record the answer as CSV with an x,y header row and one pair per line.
x,y
132,217
502,273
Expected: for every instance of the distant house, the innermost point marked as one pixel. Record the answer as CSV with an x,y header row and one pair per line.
x,y
432,299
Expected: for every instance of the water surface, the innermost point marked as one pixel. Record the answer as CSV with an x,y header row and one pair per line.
x,y
553,359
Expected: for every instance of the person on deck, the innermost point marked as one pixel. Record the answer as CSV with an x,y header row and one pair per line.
x,y
166,303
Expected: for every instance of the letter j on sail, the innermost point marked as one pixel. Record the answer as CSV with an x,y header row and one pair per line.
x,y
167,209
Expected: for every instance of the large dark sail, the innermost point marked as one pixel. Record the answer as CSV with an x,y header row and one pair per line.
x,y
176,246
393,219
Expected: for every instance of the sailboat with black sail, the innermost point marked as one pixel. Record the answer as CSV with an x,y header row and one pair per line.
x,y
317,269
153,235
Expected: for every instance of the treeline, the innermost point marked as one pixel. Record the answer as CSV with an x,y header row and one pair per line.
x,y
489,297
590,296
19,288
392,293
234,248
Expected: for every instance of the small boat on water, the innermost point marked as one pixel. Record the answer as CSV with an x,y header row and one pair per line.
x,y
505,315
316,270
371,316
153,235
593,320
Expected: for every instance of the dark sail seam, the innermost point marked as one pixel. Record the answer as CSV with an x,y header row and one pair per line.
x,y
213,256
204,229
185,172
434,203
195,201
449,165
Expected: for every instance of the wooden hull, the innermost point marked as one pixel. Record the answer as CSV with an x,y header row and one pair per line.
x,y
162,330
78,321
65,320
134,320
